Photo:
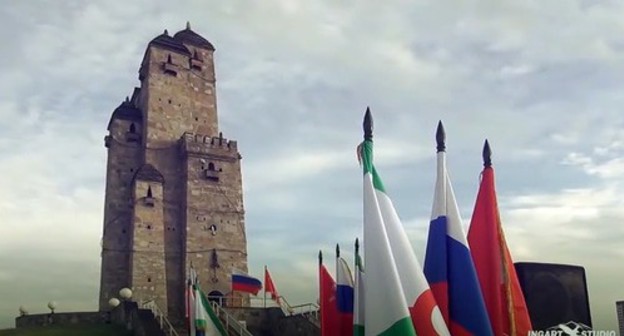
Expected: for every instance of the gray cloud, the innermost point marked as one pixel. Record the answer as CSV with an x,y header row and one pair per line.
x,y
542,81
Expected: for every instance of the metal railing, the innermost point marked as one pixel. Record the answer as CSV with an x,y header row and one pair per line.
x,y
165,325
231,323
308,310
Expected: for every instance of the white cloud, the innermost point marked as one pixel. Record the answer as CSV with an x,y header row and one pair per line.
x,y
293,83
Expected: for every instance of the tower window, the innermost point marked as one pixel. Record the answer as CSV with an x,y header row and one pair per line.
x,y
211,173
149,279
149,198
169,67
132,135
196,61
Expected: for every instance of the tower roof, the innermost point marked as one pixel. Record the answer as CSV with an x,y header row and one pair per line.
x,y
126,111
189,36
147,172
168,42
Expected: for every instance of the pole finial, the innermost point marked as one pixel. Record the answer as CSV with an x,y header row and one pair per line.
x,y
441,137
337,251
188,25
320,257
368,125
487,154
357,245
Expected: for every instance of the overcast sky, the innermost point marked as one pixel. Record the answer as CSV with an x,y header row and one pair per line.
x,y
542,80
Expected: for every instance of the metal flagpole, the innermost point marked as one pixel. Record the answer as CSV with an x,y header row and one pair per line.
x,y
265,272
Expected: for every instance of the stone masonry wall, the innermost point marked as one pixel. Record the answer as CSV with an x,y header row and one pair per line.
x,y
148,262
216,241
124,158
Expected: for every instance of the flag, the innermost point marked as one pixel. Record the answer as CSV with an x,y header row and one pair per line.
x,y
190,301
501,289
329,308
202,321
206,321
245,283
448,264
394,278
269,287
358,300
344,294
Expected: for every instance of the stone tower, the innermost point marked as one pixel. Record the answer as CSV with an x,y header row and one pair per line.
x,y
173,183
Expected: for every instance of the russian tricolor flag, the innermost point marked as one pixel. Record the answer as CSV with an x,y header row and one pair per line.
x,y
449,267
245,283
344,295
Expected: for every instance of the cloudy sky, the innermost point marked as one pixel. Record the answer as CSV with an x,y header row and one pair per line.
x,y
542,80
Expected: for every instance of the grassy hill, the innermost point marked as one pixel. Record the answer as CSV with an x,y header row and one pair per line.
x,y
77,330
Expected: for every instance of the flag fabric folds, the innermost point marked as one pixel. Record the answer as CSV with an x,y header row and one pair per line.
x,y
501,289
269,287
328,305
245,283
344,295
358,297
201,319
394,277
190,302
448,264
206,321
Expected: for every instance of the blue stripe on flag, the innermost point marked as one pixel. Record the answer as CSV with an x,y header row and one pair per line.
x,y
344,298
247,280
465,299
435,263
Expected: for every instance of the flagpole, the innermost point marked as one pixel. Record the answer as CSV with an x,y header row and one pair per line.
x,y
265,278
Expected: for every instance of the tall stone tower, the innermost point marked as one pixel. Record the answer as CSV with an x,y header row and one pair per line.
x,y
173,183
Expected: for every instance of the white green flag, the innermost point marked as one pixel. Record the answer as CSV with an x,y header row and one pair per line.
x,y
206,321
385,306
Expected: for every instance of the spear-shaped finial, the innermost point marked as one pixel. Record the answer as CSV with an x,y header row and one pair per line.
x,y
188,25
320,257
337,251
368,125
357,246
487,154
441,137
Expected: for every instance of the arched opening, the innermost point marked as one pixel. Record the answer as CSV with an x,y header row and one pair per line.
x,y
211,166
216,296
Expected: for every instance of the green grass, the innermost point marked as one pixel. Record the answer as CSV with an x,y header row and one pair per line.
x,y
76,330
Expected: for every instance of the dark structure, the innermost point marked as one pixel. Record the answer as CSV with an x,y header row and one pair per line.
x,y
554,294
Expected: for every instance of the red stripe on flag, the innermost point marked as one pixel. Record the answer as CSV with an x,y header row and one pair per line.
x,y
329,307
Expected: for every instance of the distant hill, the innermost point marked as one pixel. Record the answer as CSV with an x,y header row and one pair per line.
x,y
77,330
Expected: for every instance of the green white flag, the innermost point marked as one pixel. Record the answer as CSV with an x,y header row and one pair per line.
x,y
206,320
386,308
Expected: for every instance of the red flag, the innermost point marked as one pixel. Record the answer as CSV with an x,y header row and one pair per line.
x,y
501,289
330,322
269,287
